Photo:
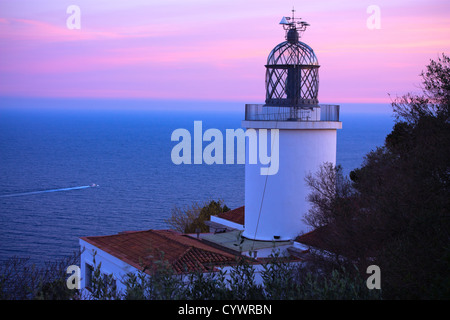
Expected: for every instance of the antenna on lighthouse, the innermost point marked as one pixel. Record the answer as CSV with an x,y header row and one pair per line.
x,y
292,23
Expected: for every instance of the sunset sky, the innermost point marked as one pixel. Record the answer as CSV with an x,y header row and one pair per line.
x,y
213,50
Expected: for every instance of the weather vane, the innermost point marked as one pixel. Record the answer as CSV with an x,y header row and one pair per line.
x,y
297,24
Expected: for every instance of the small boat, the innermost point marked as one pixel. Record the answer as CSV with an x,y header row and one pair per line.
x,y
94,185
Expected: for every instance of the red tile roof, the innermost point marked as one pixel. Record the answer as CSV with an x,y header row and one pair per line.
x,y
142,249
312,238
319,238
333,239
236,215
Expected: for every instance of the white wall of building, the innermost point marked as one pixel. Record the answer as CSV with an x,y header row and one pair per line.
x,y
110,265
227,223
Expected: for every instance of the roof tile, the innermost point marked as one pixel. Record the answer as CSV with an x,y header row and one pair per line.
x,y
236,215
142,249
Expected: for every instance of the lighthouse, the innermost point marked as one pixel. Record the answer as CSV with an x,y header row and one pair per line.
x,y
306,133
292,134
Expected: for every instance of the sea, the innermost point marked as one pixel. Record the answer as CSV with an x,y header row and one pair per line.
x,y
53,151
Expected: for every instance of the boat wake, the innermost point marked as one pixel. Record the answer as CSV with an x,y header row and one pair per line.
x,y
47,191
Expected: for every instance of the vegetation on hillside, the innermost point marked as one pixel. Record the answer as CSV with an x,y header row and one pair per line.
x,y
394,209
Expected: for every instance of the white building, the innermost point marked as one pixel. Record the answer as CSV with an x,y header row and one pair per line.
x,y
133,251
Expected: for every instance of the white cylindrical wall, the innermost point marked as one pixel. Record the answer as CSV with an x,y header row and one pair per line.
x,y
276,213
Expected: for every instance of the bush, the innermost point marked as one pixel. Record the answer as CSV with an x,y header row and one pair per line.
x,y
22,280
190,219
394,211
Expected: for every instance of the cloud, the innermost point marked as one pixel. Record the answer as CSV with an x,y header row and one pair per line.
x,y
213,49
14,29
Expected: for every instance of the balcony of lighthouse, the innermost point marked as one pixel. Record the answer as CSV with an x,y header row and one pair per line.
x,y
321,116
262,112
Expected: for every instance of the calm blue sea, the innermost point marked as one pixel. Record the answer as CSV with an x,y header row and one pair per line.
x,y
51,145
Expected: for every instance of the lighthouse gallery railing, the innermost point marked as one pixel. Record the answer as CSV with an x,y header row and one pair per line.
x,y
260,112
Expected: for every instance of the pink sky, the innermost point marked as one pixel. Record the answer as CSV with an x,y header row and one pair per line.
x,y
213,50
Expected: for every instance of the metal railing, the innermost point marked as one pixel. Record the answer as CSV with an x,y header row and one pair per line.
x,y
260,112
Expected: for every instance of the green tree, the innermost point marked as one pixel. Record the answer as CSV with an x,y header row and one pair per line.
x,y
396,207
190,219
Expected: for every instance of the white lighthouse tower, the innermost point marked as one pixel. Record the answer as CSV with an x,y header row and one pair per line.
x,y
276,204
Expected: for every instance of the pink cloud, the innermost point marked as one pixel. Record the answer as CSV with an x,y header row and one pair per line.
x,y
216,50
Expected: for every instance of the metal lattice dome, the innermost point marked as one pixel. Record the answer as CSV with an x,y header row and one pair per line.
x,y
292,71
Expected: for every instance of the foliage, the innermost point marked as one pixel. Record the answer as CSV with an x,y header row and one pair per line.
x,y
394,211
339,284
191,218
205,286
22,280
164,284
435,99
242,283
103,286
281,280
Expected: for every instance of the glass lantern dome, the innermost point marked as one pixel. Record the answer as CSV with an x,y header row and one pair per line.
x,y
292,70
